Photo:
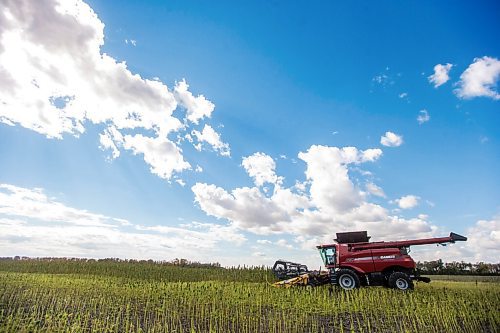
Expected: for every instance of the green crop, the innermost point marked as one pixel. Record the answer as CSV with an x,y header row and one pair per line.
x,y
148,297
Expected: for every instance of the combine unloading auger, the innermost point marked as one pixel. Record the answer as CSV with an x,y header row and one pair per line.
x,y
353,261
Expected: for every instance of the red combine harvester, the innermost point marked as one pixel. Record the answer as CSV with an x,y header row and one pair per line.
x,y
353,262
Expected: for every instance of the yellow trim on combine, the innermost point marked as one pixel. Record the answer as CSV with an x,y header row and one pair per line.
x,y
301,280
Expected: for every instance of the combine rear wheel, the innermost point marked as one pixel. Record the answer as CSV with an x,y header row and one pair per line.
x,y
400,281
347,279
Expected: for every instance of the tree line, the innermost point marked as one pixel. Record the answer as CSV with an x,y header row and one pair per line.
x,y
174,262
435,267
438,267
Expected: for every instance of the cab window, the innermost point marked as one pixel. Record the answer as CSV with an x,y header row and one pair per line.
x,y
328,255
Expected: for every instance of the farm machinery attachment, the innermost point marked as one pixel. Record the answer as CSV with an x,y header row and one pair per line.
x,y
293,274
353,261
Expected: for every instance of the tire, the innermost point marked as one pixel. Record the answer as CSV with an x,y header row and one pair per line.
x,y
347,279
400,281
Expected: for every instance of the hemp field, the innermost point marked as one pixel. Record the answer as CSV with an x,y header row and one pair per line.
x,y
66,296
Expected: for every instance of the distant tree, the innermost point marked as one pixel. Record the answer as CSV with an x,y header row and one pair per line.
x,y
481,268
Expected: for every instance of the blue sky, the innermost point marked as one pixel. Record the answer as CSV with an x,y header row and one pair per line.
x,y
229,123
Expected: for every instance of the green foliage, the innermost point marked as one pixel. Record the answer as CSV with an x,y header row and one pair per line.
x,y
142,297
179,270
457,268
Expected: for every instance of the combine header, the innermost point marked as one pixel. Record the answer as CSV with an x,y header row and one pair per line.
x,y
293,274
353,262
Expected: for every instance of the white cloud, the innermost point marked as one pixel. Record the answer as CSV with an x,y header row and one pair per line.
x,y
284,243
331,189
111,139
162,155
55,80
34,204
403,95
483,240
331,202
60,78
375,190
207,233
261,168
34,224
407,201
383,80
423,117
301,187
247,208
441,74
180,182
99,242
264,241
210,136
390,139
197,107
480,79
370,155
481,245
11,222
133,42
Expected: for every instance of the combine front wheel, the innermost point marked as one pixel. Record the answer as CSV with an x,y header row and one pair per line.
x,y
400,281
347,279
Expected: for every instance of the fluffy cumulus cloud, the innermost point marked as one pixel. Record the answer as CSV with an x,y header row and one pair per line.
x,y
407,201
35,224
423,117
441,74
247,208
390,139
330,202
261,168
331,188
480,79
161,154
485,237
209,136
55,80
197,107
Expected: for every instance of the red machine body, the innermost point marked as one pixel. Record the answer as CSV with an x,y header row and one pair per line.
x,y
373,263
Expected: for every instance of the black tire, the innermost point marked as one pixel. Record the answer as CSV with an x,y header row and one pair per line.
x,y
347,279
400,281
